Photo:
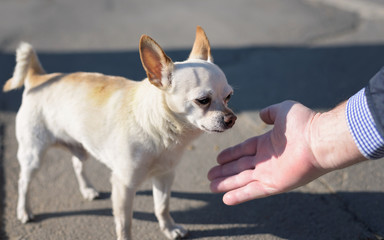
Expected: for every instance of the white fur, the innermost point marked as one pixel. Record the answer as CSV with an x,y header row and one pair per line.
x,y
23,55
138,129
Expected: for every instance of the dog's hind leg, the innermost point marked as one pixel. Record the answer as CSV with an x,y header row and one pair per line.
x,y
78,158
29,163
33,139
161,195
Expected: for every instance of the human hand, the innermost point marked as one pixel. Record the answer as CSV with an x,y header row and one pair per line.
x,y
292,154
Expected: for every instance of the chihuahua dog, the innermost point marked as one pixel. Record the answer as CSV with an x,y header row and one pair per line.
x,y
137,129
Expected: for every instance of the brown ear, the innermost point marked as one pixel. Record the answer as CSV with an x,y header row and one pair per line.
x,y
157,65
201,48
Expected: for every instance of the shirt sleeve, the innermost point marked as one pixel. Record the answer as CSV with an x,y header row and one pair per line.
x,y
365,117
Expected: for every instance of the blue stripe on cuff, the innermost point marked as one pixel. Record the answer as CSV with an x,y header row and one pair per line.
x,y
363,127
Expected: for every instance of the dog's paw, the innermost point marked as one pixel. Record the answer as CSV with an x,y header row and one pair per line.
x,y
24,217
89,193
175,232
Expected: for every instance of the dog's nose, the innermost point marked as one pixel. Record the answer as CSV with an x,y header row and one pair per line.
x,y
229,120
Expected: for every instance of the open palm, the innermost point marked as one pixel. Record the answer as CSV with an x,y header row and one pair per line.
x,y
277,161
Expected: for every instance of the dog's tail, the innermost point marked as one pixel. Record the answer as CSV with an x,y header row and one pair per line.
x,y
27,64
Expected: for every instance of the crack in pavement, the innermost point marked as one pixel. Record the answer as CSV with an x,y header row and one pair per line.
x,y
371,234
365,9
347,29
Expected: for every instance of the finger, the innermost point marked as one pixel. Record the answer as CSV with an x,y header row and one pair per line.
x,y
250,191
230,183
232,168
246,148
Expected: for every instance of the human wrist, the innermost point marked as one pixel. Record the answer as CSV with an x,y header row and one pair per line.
x,y
331,142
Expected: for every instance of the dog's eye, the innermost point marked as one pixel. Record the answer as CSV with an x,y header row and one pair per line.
x,y
203,101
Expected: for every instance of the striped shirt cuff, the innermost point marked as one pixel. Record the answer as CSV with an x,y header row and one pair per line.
x,y
363,127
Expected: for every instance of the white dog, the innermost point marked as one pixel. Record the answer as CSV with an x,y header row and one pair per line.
x,y
138,129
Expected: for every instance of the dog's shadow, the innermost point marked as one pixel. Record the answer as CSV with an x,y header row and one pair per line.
x,y
292,215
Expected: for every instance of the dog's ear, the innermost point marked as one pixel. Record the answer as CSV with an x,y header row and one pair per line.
x,y
157,65
201,48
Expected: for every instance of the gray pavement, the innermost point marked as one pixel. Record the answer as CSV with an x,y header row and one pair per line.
x,y
318,52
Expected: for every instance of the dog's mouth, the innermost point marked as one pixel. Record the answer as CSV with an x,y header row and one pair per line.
x,y
212,130
227,123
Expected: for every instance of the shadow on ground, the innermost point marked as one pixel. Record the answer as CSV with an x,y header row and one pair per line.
x,y
290,216
318,77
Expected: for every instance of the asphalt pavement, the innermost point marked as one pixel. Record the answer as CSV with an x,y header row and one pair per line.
x,y
318,52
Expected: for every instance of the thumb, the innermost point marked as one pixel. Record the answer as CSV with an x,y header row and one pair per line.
x,y
268,114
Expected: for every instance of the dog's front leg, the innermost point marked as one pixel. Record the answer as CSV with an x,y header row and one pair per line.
x,y
122,203
161,194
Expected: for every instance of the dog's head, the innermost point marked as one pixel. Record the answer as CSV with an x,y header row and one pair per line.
x,y
195,88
